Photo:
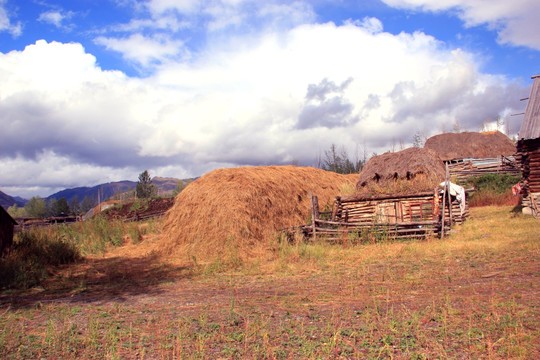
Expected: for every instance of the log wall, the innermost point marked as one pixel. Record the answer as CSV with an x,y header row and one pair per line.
x,y
394,217
528,155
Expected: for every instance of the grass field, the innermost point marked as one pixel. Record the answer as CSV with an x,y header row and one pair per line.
x,y
473,295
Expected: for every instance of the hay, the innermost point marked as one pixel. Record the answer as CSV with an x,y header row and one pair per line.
x,y
457,146
403,172
237,211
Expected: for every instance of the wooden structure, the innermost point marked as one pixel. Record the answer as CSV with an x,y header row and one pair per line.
x,y
464,168
528,151
7,225
398,196
416,215
475,153
31,222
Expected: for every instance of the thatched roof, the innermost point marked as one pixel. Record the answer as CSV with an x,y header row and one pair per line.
x,y
457,146
239,210
414,169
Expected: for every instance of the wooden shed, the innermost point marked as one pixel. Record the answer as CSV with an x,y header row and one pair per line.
x,y
475,153
7,224
398,194
528,151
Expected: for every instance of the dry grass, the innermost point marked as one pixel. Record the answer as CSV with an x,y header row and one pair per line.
x,y
474,295
406,171
463,145
231,212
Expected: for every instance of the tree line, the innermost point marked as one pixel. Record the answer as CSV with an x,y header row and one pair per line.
x,y
340,161
42,208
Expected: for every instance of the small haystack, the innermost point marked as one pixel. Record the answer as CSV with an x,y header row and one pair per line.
x,y
408,171
237,211
480,145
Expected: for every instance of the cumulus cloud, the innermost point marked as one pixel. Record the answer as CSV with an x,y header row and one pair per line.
x,y
515,21
5,22
277,100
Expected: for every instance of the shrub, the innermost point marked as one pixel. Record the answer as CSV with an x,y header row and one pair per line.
x,y
33,252
493,189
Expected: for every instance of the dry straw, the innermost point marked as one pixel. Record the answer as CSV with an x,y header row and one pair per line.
x,y
408,171
237,211
464,145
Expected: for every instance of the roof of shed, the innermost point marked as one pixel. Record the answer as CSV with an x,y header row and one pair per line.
x,y
530,127
396,173
7,216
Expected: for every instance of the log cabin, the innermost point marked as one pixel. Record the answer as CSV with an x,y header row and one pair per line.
x,y
528,152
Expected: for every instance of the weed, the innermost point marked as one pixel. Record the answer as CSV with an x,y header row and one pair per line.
x,y
493,189
32,254
314,301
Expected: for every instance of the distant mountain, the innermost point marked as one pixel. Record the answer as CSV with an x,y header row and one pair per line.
x,y
106,191
6,201
165,187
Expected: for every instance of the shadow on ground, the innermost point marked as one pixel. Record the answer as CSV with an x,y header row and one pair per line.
x,y
100,279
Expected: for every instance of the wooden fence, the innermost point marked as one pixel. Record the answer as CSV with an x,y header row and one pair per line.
x,y
462,169
30,222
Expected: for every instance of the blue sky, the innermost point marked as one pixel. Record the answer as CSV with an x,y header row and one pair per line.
x,y
97,91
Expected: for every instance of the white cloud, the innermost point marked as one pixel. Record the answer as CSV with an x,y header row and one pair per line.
x,y
54,172
5,22
214,15
55,17
515,21
373,25
235,103
144,50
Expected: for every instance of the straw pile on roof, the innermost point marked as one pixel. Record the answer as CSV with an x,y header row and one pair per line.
x,y
454,146
408,171
240,209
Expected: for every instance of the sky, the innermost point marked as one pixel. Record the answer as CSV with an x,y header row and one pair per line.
x,y
94,91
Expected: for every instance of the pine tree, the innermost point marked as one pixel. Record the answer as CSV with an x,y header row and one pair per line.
x,y
145,188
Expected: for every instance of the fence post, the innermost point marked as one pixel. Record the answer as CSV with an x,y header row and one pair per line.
x,y
313,216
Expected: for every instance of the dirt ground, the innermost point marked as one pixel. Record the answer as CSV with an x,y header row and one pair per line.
x,y
130,304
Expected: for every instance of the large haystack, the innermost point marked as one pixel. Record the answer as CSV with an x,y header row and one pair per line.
x,y
407,171
457,146
240,209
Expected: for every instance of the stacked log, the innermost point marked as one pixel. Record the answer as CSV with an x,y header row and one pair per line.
x,y
457,216
528,155
339,231
463,169
364,209
390,216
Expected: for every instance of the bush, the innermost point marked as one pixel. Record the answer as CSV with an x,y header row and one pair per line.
x,y
493,189
33,252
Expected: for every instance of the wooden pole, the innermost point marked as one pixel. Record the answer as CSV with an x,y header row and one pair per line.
x,y
313,216
443,206
449,197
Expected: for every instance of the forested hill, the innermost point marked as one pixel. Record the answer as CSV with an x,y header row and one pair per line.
x,y
6,201
164,185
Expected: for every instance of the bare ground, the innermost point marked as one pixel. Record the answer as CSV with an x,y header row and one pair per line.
x,y
133,305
